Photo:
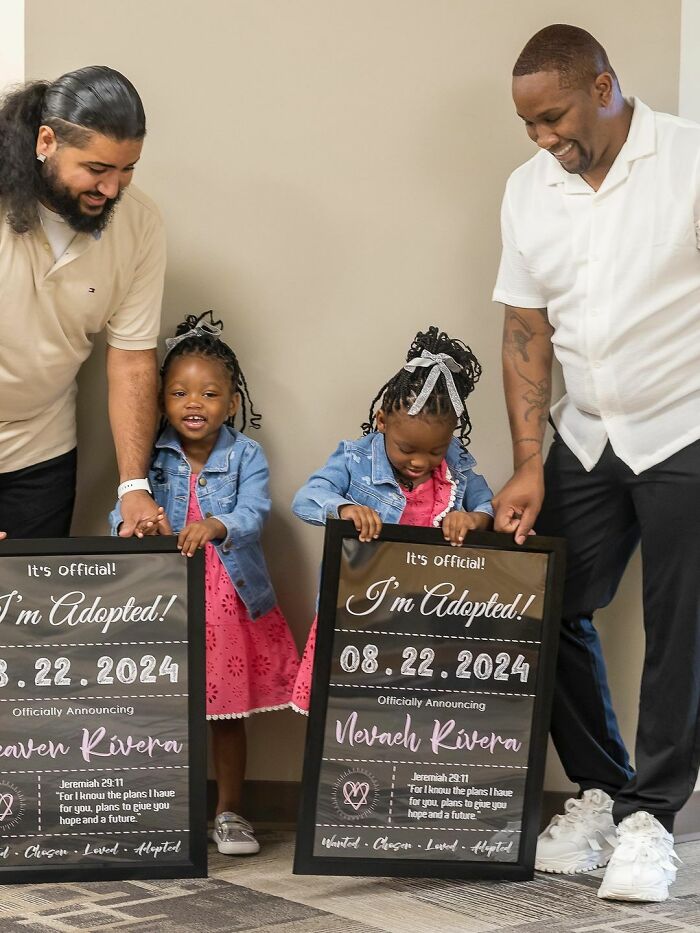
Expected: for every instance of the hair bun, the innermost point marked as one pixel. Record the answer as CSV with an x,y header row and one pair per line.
x,y
402,390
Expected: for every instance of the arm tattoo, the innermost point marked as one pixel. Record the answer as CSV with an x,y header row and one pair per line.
x,y
518,334
537,397
537,453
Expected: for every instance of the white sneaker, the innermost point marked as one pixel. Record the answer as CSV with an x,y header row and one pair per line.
x,y
580,839
642,866
234,835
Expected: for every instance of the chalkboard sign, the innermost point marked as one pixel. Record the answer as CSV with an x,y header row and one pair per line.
x,y
432,689
102,740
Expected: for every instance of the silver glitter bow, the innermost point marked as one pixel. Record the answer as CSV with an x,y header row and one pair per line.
x,y
442,365
200,330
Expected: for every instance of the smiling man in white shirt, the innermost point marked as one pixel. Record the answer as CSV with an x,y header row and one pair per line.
x,y
600,266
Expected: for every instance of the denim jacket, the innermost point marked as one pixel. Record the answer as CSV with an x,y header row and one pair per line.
x,y
359,473
233,488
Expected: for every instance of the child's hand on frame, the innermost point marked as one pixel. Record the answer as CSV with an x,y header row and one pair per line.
x,y
366,521
456,525
197,534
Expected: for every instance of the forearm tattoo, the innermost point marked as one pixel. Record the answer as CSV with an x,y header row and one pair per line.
x,y
517,335
536,453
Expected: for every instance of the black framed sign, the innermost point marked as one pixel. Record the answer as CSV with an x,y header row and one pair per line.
x,y
432,690
102,739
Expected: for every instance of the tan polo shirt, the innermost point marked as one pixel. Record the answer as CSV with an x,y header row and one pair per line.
x,y
51,310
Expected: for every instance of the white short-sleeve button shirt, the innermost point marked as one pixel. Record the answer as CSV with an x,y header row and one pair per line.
x,y
618,271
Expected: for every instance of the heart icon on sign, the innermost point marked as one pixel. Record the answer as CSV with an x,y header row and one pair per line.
x,y
354,793
6,802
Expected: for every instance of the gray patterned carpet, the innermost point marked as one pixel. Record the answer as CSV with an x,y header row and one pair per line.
x,y
260,893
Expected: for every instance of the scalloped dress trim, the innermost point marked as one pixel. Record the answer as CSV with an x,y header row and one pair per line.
x,y
453,495
252,712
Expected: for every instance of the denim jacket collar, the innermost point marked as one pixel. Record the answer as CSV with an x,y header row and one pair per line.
x,y
218,461
382,471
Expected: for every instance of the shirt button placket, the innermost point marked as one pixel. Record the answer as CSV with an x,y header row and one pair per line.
x,y
595,322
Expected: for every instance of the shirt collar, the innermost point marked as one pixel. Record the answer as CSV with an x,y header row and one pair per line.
x,y
640,142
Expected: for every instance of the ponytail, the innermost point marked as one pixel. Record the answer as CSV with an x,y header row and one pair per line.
x,y
20,119
440,397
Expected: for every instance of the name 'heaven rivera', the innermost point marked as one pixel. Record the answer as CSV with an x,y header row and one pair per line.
x,y
92,745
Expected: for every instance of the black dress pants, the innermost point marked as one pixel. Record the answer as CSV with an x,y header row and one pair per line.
x,y
37,501
603,515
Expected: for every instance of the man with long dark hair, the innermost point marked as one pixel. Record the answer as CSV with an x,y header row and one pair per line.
x,y
600,266
80,251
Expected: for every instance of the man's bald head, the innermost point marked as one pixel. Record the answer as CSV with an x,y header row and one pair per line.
x,y
574,54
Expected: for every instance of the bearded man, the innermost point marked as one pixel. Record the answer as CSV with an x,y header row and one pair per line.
x,y
80,252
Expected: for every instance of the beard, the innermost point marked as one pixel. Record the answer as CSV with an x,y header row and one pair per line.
x,y
583,164
59,199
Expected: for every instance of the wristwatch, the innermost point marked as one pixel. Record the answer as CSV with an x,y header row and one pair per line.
x,y
130,485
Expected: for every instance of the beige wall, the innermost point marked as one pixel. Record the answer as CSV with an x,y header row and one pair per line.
x,y
11,42
330,174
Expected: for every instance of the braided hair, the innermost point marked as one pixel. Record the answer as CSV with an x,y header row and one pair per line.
x,y
401,391
212,347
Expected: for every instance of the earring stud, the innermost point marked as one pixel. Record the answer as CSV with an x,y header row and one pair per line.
x,y
41,157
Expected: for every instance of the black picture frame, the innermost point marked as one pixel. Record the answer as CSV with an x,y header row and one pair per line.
x,y
195,866
305,860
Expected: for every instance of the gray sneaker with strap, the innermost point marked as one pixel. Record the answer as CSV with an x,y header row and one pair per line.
x,y
234,835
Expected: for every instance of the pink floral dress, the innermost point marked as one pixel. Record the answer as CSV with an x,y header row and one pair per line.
x,y
251,665
426,505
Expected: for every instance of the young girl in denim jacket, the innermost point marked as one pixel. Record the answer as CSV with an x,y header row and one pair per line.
x,y
408,468
211,483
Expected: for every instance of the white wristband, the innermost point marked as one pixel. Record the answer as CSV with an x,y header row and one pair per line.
x,y
130,485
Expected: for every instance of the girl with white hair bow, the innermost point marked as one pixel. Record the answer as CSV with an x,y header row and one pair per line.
x,y
408,468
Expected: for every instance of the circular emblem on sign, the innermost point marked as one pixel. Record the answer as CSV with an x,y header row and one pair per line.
x,y
12,806
355,794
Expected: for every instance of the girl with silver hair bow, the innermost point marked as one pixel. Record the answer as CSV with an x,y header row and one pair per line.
x,y
211,483
408,468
